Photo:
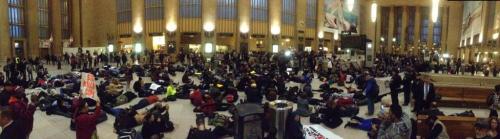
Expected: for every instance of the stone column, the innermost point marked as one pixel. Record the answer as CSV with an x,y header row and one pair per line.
x,y
390,44
138,23
5,44
56,27
274,23
32,29
209,16
244,21
320,19
404,47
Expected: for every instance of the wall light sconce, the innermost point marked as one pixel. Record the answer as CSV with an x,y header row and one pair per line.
x,y
209,28
171,27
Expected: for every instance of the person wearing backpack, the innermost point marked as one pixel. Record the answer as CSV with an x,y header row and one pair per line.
x,y
371,92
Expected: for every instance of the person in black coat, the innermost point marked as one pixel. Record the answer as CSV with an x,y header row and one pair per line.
x,y
394,85
294,128
253,94
10,128
408,78
424,93
331,115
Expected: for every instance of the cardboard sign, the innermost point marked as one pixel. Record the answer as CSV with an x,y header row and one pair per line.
x,y
88,87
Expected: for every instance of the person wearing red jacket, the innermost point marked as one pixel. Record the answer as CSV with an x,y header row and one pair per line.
x,y
86,122
23,112
196,97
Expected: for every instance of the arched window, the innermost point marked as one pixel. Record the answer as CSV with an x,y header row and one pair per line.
x,y
43,19
288,12
124,11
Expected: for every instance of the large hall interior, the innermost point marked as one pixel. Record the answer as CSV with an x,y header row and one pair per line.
x,y
249,69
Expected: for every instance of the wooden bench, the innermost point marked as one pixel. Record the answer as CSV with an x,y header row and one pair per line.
x,y
457,127
462,96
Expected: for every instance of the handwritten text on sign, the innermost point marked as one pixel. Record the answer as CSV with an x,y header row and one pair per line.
x,y
88,86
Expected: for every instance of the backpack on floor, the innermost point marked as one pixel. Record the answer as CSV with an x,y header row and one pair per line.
x,y
127,134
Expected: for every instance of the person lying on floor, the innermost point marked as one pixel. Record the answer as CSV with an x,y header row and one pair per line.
x,y
156,122
363,124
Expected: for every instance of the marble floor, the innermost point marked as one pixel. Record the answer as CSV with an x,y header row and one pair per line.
x,y
57,127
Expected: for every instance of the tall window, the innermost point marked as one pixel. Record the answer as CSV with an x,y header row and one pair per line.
x,y
410,28
259,10
384,30
436,30
226,9
153,9
16,18
288,12
65,19
398,24
190,8
311,13
43,19
424,25
124,11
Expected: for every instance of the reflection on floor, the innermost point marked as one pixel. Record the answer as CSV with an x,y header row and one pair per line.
x,y
57,127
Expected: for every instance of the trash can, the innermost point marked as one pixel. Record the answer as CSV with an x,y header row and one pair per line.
x,y
279,111
248,121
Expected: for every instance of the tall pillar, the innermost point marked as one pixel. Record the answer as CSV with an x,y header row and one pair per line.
x,y
32,47
171,9
319,26
416,30
430,31
138,24
209,15
274,23
444,29
244,24
76,33
404,24
5,48
390,45
56,27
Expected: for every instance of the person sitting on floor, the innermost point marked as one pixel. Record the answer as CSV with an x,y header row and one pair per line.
x,y
294,127
437,128
395,124
481,129
331,115
494,128
196,97
200,131
139,87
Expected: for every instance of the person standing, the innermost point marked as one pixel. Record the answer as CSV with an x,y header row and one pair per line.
x,y
23,113
124,59
10,127
371,92
425,93
85,122
407,81
394,86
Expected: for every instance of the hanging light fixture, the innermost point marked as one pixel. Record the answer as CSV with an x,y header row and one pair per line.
x,y
374,12
435,10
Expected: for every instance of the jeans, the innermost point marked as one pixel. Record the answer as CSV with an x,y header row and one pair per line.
x,y
370,105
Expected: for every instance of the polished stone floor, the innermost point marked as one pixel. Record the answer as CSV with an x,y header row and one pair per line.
x,y
57,127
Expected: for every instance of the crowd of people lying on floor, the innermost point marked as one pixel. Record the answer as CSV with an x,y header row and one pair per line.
x,y
261,76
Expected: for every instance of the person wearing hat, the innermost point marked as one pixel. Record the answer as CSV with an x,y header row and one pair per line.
x,y
481,129
437,128
425,93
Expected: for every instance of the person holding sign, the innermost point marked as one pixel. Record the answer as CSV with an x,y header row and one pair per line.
x,y
86,122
